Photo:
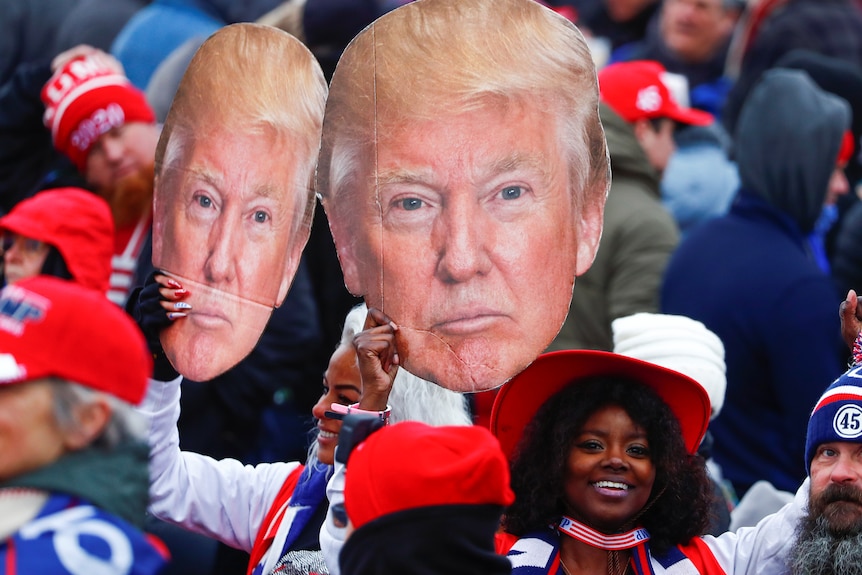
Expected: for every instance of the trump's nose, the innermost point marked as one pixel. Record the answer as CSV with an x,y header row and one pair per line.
x,y
461,240
223,250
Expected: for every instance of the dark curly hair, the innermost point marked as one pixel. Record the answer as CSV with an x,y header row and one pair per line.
x,y
682,509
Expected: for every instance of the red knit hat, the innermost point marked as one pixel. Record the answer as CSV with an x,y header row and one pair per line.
x,y
410,465
86,98
635,91
520,399
76,222
52,327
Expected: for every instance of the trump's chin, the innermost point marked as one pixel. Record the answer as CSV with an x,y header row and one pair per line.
x,y
203,346
472,364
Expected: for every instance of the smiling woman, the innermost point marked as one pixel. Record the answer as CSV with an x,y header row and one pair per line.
x,y
603,452
616,458
277,515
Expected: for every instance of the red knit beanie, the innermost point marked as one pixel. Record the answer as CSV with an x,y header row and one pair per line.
x,y
410,465
86,98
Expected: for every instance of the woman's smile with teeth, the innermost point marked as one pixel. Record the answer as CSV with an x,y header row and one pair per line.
x,y
611,485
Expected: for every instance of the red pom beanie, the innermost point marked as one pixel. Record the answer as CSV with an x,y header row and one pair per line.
x,y
86,98
410,465
77,223
53,327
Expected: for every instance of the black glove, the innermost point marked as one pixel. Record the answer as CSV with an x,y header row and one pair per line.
x,y
144,305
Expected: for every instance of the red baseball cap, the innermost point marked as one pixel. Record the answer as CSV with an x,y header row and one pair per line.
x,y
448,465
56,328
520,399
635,90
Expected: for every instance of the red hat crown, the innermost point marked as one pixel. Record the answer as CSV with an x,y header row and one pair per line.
x,y
636,91
54,328
449,465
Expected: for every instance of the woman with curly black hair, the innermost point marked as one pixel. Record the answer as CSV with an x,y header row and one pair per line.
x,y
606,475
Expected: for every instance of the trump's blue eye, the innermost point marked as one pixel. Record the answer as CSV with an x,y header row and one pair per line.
x,y
261,217
511,192
411,204
204,201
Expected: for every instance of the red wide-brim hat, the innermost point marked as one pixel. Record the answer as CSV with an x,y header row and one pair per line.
x,y
518,400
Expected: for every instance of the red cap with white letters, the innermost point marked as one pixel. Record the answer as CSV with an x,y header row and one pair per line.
x,y
635,90
56,328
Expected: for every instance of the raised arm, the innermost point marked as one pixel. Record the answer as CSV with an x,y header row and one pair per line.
x,y
378,365
222,499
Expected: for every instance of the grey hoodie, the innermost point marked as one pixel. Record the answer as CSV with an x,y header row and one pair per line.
x,y
787,142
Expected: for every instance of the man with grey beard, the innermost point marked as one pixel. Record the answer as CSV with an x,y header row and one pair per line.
x,y
829,536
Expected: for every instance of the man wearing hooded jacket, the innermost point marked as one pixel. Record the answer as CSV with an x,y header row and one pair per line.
x,y
639,116
751,277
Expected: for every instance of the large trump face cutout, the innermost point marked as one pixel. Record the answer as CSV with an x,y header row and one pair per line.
x,y
233,198
464,171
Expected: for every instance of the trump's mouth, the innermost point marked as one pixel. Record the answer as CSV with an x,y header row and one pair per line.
x,y
208,319
469,321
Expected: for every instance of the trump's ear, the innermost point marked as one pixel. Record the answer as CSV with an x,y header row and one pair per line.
x,y
158,220
590,223
294,254
345,245
295,245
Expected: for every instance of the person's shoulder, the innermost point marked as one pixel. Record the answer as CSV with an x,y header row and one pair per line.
x,y
697,553
67,518
503,542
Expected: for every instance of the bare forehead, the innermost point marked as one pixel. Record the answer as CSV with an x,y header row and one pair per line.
x,y
496,139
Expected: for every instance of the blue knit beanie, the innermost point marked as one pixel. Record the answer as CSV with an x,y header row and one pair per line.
x,y
838,414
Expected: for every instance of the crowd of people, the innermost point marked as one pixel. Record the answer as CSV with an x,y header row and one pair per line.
x,y
578,278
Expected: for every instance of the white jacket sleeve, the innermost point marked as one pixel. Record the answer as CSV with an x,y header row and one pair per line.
x,y
332,537
764,548
222,499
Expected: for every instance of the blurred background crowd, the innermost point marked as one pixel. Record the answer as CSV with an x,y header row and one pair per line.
x,y
702,178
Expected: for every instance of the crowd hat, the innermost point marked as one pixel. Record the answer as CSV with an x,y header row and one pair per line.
x,y
87,97
55,328
518,400
77,223
842,78
676,342
837,416
635,90
410,465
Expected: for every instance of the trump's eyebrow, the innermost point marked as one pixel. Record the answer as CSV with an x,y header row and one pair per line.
x,y
426,176
405,176
518,161
215,180
209,177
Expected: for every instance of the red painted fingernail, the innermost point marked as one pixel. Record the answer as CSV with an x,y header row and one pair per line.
x,y
175,284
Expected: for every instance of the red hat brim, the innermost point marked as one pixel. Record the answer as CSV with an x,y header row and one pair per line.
x,y
518,400
690,116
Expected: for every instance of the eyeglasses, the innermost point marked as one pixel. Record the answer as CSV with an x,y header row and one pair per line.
x,y
24,243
